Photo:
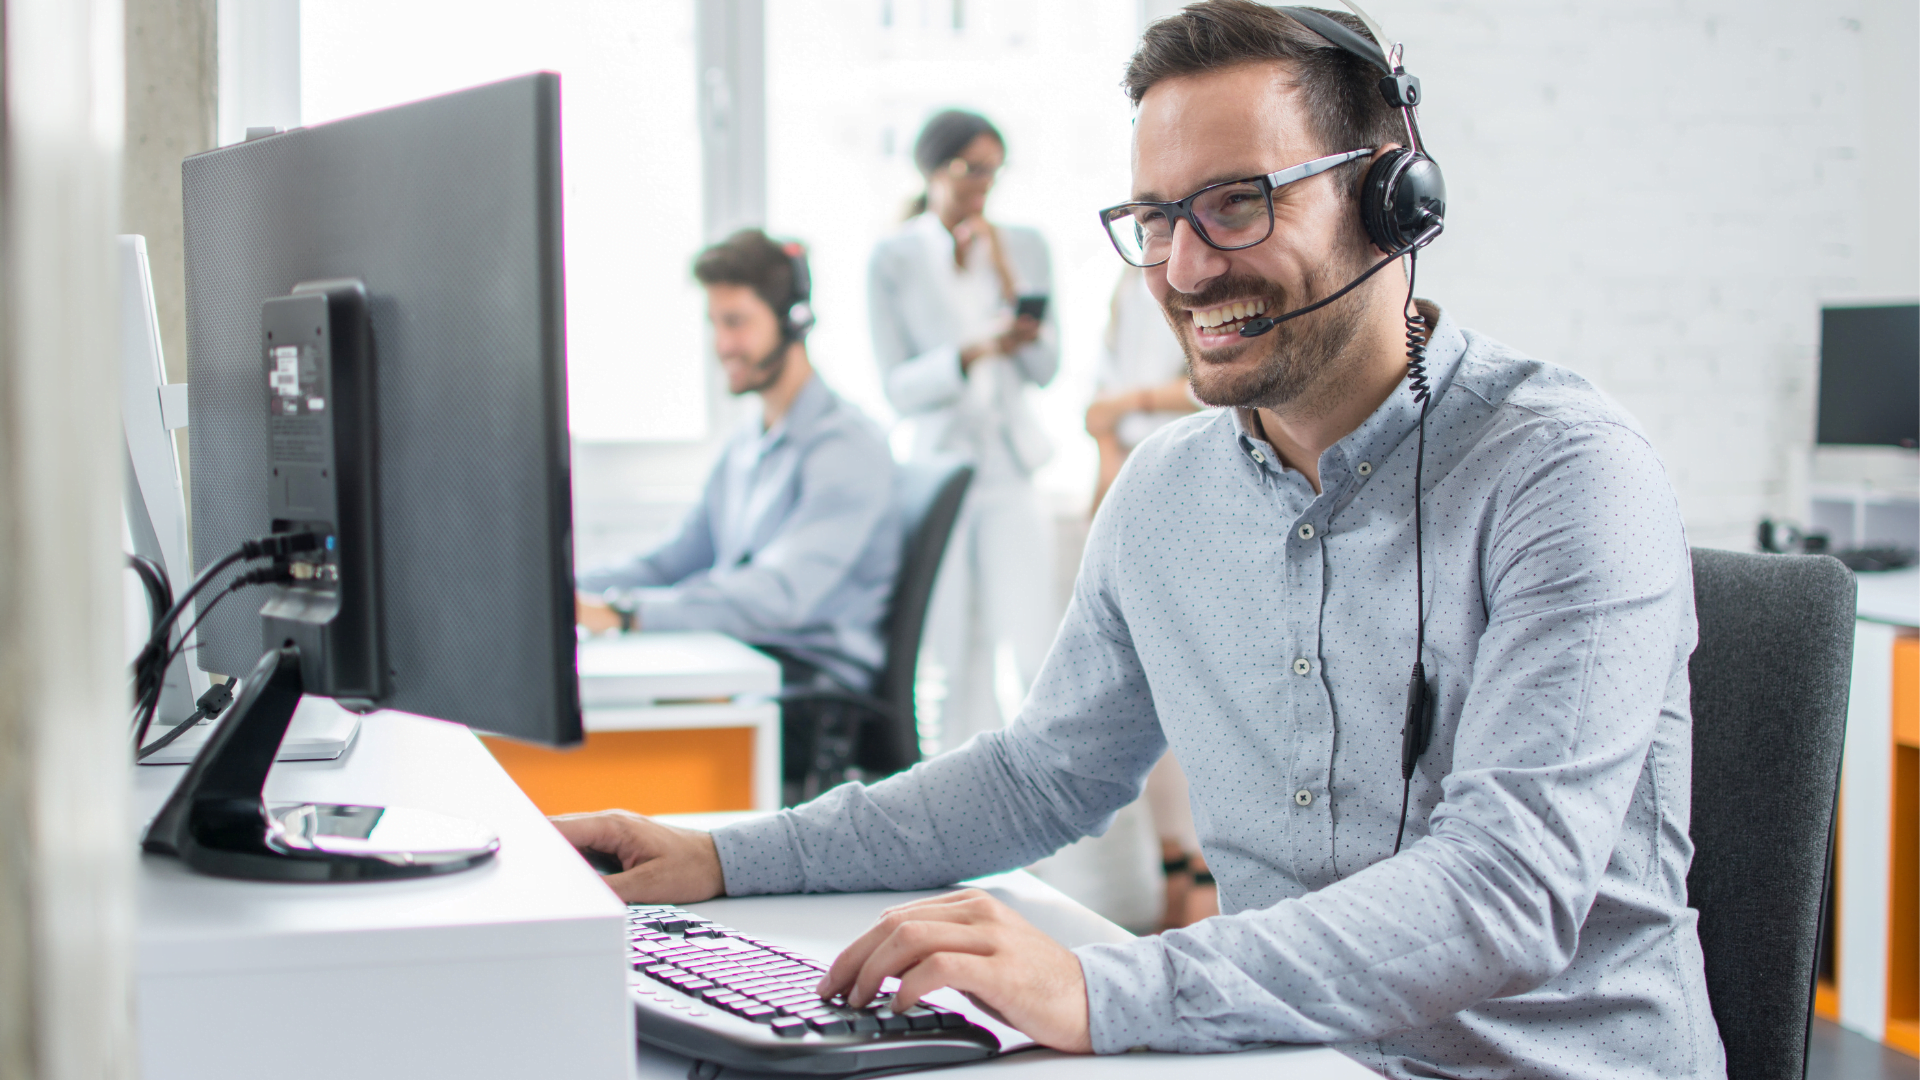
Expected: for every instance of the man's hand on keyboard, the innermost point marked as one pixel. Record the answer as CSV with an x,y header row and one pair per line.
x,y
664,864
974,943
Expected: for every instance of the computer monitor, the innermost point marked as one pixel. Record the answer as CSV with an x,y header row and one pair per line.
x,y
408,420
1870,376
152,503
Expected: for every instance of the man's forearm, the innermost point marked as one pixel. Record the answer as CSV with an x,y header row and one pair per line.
x,y
890,836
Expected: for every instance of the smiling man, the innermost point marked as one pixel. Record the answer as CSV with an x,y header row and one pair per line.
x,y
1248,596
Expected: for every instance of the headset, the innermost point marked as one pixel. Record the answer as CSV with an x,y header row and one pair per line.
x,y
797,317
1403,204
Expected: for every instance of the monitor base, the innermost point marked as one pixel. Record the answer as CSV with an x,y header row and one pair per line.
x,y
217,823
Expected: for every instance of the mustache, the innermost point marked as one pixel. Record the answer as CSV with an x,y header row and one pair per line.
x,y
1220,290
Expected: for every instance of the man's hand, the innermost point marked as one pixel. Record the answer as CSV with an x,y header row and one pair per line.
x,y
594,614
664,864
1103,416
979,946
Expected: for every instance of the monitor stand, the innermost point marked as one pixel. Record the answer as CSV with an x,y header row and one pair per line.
x,y
218,822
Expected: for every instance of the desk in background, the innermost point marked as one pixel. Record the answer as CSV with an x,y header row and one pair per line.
x,y
1874,988
676,722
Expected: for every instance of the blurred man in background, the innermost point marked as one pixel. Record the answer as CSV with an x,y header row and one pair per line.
x,y
794,543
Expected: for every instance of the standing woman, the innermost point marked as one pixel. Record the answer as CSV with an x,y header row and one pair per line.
x,y
956,357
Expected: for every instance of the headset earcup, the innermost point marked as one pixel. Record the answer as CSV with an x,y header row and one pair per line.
x,y
1402,193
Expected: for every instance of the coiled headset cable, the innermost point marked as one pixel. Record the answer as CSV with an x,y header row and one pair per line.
x,y
1419,726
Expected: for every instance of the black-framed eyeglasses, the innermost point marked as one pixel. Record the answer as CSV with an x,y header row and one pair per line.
x,y
1229,216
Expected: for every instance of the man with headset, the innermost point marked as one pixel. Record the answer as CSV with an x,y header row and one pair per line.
x,y
1481,875
794,543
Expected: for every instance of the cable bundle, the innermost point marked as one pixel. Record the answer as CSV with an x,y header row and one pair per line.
x,y
150,666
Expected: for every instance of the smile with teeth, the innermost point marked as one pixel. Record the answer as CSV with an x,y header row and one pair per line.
x,y
1221,320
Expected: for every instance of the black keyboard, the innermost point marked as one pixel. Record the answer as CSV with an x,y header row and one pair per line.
x,y
714,994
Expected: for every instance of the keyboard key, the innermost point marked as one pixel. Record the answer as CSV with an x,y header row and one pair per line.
x,y
789,1027
892,1021
830,1024
951,1020
921,1018
757,1011
866,1024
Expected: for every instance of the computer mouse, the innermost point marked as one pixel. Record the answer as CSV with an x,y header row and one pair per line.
x,y
601,861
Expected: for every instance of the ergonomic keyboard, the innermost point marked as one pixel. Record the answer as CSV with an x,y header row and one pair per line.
x,y
715,995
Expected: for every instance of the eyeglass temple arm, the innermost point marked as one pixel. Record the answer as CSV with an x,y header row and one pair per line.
x,y
1314,167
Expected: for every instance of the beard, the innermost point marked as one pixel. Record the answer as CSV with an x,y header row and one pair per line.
x,y
1290,359
766,370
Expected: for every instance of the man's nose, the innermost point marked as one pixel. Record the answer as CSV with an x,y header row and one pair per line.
x,y
1191,261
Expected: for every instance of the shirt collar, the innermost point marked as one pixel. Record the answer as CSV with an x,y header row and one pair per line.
x,y
812,402
1384,428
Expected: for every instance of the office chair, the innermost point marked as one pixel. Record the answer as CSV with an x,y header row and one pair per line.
x,y
1770,680
833,729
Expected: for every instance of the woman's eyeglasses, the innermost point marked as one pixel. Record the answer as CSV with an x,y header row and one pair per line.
x,y
1229,216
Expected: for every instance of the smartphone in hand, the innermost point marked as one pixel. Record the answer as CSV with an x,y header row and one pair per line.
x,y
1031,306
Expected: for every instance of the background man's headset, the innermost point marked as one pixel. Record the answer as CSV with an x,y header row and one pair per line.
x,y
1403,204
797,319
795,312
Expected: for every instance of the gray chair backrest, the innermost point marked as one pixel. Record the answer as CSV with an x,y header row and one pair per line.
x,y
1770,680
928,496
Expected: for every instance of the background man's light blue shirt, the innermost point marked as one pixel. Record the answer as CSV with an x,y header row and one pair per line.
x,y
1536,922
794,543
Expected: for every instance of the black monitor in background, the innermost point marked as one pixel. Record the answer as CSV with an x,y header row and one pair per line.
x,y
377,355
1870,376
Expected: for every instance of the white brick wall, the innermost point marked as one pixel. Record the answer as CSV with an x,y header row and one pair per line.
x,y
1657,193
1661,195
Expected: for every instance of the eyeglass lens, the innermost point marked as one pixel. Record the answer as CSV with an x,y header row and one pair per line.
x,y
1229,216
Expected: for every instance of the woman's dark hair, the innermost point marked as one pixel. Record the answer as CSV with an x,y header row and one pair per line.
x,y
750,258
1344,107
944,138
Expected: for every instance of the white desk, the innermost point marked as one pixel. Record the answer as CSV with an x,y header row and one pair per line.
x,y
823,924
512,970
677,681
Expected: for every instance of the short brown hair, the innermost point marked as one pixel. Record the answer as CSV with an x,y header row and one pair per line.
x,y
1344,106
751,258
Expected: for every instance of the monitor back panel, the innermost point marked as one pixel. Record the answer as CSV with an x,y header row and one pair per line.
x,y
449,210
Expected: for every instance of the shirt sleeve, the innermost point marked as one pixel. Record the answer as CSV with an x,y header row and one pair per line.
x,y
690,551
1080,750
841,501
1589,595
915,380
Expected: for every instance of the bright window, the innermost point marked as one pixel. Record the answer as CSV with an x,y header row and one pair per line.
x,y
631,151
848,86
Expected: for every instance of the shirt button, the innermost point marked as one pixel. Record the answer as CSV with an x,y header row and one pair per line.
x,y
1306,532
1259,457
1302,667
1366,468
1303,797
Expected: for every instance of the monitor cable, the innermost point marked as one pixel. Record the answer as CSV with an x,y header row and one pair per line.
x,y
149,704
150,666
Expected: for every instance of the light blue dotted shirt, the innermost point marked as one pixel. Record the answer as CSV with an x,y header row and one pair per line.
x,y
1536,922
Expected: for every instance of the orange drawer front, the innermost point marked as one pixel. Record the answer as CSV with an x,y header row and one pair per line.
x,y
650,772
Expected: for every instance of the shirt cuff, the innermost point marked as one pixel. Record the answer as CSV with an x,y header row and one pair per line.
x,y
1129,996
760,856
661,609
